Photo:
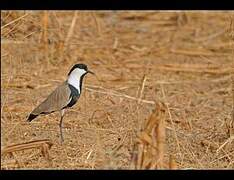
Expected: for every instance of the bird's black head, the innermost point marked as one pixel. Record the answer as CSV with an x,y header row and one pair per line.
x,y
76,75
79,66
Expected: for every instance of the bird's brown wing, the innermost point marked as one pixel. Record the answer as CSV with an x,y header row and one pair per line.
x,y
56,101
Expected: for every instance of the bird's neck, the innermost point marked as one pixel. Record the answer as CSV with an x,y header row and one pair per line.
x,y
76,81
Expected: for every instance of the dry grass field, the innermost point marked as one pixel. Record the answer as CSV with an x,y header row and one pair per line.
x,y
162,99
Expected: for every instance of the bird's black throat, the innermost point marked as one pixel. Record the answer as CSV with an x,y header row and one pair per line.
x,y
74,96
81,81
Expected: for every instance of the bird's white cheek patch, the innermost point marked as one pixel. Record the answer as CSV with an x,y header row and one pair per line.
x,y
78,72
74,78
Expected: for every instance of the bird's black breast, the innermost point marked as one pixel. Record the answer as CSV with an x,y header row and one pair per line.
x,y
74,96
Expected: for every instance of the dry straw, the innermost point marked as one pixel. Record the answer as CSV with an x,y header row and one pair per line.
x,y
45,35
44,145
150,147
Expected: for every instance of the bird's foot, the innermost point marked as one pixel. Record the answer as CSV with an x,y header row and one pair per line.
x,y
61,140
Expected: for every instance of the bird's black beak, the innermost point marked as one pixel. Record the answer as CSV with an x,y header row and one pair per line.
x,y
90,72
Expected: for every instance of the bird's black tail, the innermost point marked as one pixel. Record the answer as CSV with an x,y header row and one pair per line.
x,y
31,117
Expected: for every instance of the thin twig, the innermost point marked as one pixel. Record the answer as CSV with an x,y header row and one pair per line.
x,y
13,29
212,36
219,70
71,29
96,23
121,95
229,140
13,21
45,35
142,88
197,52
173,125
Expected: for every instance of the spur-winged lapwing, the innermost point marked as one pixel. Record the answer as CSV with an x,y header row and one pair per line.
x,y
64,96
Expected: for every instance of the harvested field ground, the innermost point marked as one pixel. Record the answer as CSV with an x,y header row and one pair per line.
x,y
183,60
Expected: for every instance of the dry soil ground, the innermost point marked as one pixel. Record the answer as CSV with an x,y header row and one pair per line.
x,y
187,59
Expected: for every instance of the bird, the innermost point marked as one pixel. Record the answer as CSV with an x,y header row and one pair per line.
x,y
64,96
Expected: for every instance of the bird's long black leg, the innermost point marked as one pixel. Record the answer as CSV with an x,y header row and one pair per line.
x,y
60,125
